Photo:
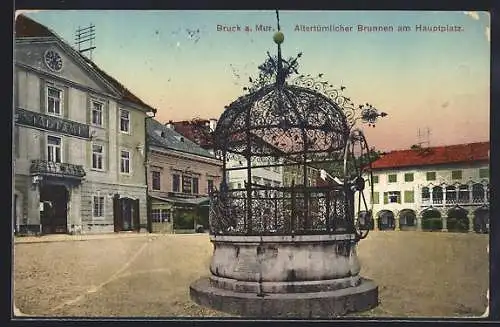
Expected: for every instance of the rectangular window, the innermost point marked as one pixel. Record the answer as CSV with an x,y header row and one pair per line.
x,y
187,184
155,176
97,156
392,197
125,162
375,179
54,148
98,207
195,185
409,177
431,176
176,183
210,186
165,215
456,174
376,197
97,113
54,101
156,215
124,121
393,178
409,197
484,173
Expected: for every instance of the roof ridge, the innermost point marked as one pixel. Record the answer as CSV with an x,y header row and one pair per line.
x,y
126,93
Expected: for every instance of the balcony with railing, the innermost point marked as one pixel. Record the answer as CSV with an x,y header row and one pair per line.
x,y
472,194
56,169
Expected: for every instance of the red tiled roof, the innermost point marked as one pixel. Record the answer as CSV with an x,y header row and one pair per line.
x,y
459,153
195,130
26,27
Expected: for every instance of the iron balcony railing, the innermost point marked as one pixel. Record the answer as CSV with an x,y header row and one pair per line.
x,y
465,201
60,169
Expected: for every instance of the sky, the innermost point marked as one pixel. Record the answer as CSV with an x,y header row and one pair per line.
x,y
179,63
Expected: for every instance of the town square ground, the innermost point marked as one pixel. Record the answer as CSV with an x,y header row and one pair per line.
x,y
420,274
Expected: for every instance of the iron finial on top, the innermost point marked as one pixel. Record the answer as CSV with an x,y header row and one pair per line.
x,y
278,38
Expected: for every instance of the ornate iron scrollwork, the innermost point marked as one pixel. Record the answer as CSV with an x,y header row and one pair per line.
x,y
306,124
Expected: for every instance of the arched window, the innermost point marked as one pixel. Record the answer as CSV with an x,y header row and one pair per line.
x,y
437,194
477,193
425,194
451,194
463,194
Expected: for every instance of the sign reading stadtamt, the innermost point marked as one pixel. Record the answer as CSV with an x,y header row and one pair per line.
x,y
50,123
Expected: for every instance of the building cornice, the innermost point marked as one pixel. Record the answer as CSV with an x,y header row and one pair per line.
x,y
67,81
185,155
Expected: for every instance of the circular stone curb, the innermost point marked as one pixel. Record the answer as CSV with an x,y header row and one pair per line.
x,y
327,304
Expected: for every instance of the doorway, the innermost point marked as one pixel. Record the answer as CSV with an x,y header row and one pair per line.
x,y
126,214
54,216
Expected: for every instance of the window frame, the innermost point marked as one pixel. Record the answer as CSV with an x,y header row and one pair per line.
x,y
376,179
197,183
92,109
103,212
487,170
406,193
129,124
129,161
102,156
61,100
456,171
210,186
174,179
153,174
408,179
392,175
427,176
60,146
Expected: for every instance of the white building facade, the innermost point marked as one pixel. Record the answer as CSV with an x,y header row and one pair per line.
x,y
78,143
441,188
267,176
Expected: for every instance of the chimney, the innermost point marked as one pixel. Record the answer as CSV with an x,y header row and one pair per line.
x,y
213,124
170,125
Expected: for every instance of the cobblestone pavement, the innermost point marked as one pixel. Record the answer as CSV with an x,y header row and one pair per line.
x,y
419,274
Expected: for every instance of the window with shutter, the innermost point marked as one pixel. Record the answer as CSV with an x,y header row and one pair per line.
x,y
409,197
431,176
456,174
376,196
386,198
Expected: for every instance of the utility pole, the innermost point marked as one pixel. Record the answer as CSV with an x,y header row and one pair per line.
x,y
84,39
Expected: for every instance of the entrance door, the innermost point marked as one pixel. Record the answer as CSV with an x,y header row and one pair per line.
x,y
126,214
54,216
126,206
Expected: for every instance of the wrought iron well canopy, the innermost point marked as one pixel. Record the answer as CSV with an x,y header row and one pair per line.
x,y
303,124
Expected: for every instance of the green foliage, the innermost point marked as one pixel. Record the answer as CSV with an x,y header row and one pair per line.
x,y
202,217
432,224
184,220
458,224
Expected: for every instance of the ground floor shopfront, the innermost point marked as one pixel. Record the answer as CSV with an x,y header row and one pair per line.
x,y
169,214
45,204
